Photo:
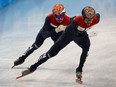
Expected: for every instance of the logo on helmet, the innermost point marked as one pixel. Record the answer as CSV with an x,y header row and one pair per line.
x,y
58,9
88,12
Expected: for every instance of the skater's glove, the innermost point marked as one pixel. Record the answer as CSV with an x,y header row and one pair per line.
x,y
88,28
60,28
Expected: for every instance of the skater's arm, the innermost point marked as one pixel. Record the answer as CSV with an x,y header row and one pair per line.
x,y
47,32
98,16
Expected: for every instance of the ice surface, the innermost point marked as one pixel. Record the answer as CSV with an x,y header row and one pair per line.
x,y
19,31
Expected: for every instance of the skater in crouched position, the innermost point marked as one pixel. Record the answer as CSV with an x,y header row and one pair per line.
x,y
55,24
77,32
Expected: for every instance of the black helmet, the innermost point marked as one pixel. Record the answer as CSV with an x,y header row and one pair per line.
x,y
88,12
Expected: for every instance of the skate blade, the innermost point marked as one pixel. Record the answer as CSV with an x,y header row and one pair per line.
x,y
78,80
23,75
19,76
13,66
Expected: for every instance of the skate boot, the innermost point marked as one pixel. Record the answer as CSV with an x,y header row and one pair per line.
x,y
79,77
29,70
79,74
17,62
26,72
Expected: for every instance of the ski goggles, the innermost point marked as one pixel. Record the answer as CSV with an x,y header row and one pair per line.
x,y
59,16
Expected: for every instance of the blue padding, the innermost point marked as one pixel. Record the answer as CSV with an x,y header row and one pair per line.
x,y
4,3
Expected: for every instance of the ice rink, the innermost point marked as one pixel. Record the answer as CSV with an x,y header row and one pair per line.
x,y
18,30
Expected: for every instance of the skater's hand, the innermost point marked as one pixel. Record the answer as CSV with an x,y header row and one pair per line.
x,y
60,28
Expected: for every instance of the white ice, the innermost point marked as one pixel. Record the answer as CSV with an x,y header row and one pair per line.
x,y
59,71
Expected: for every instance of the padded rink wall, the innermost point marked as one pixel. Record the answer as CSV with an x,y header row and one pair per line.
x,y
4,3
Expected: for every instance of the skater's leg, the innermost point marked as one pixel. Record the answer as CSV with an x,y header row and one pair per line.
x,y
54,50
82,59
62,41
38,42
56,36
85,45
44,57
